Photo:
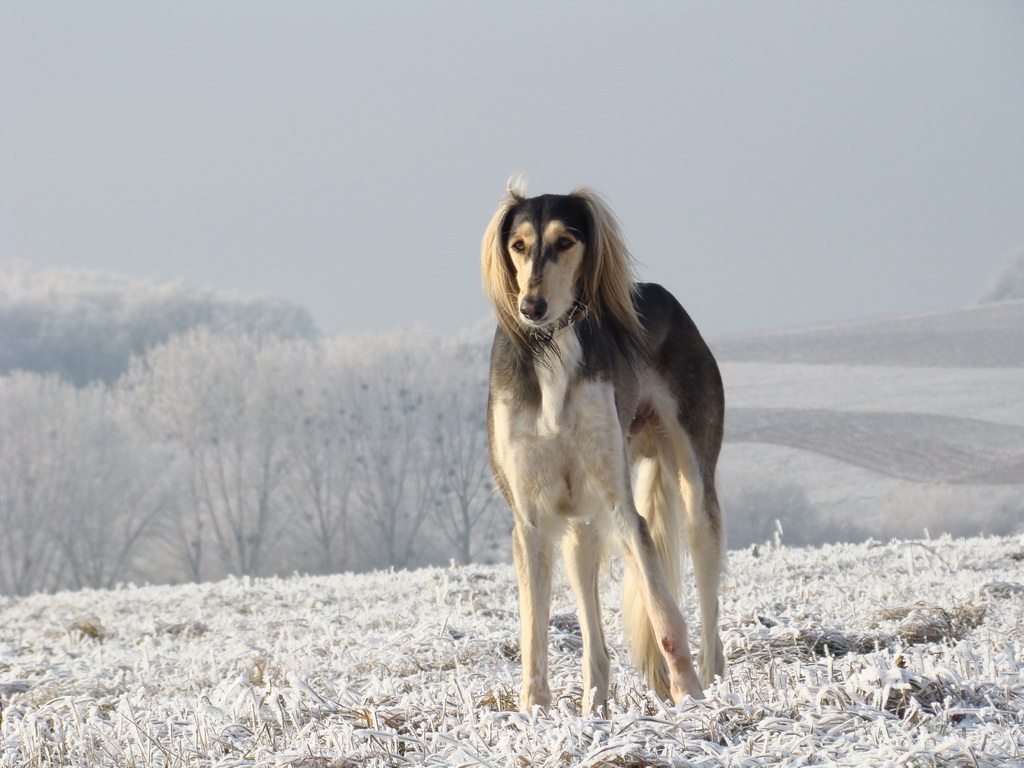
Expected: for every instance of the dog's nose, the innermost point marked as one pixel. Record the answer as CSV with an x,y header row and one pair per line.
x,y
533,309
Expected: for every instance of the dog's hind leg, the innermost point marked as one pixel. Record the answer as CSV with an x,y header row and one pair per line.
x,y
533,551
666,619
706,548
582,548
706,539
656,493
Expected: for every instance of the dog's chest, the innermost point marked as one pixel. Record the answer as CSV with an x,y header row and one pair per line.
x,y
554,378
564,453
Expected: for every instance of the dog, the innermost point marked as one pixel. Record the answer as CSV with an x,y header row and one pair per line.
x,y
601,387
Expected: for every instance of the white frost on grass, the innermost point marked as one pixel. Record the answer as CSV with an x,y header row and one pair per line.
x,y
906,654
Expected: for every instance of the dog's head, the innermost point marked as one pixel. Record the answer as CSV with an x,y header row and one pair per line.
x,y
549,258
543,241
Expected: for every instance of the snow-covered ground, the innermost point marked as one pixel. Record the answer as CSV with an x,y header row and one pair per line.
x,y
915,418
986,394
903,654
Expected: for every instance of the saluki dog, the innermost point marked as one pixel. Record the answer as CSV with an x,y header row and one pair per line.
x,y
599,384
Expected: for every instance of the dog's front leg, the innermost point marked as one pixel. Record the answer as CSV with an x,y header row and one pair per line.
x,y
532,551
582,550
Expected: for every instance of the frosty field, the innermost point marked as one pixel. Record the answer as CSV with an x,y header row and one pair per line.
x,y
907,653
894,424
903,654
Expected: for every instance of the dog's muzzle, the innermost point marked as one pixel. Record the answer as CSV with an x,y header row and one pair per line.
x,y
533,309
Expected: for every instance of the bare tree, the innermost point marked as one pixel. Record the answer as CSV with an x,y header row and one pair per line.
x,y
229,402
246,455
28,495
80,489
467,509
319,491
116,491
396,460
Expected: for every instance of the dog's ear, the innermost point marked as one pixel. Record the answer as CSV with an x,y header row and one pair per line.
x,y
609,284
498,279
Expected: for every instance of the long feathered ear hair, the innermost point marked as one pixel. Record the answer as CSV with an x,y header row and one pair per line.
x,y
608,285
496,270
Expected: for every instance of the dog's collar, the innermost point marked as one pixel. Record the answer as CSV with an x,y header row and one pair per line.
x,y
577,313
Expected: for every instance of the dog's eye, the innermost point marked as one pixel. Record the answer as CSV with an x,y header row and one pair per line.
x,y
518,246
565,243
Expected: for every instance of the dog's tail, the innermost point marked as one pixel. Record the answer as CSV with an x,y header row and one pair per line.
x,y
658,499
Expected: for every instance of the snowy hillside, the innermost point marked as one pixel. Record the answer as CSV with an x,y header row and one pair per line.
x,y
980,336
898,423
905,654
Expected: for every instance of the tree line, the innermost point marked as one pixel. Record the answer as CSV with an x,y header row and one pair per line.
x,y
221,453
86,325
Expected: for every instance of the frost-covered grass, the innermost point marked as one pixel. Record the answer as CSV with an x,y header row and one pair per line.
x,y
906,654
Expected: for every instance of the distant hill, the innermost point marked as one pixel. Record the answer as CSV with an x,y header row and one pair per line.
x,y
86,325
982,336
891,425
912,446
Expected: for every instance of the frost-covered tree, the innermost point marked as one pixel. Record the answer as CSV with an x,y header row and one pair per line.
x,y
760,510
467,510
28,492
249,455
80,488
1007,283
396,472
117,491
319,486
86,325
229,403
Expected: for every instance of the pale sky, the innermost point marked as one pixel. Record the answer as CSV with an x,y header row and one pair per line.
x,y
772,164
